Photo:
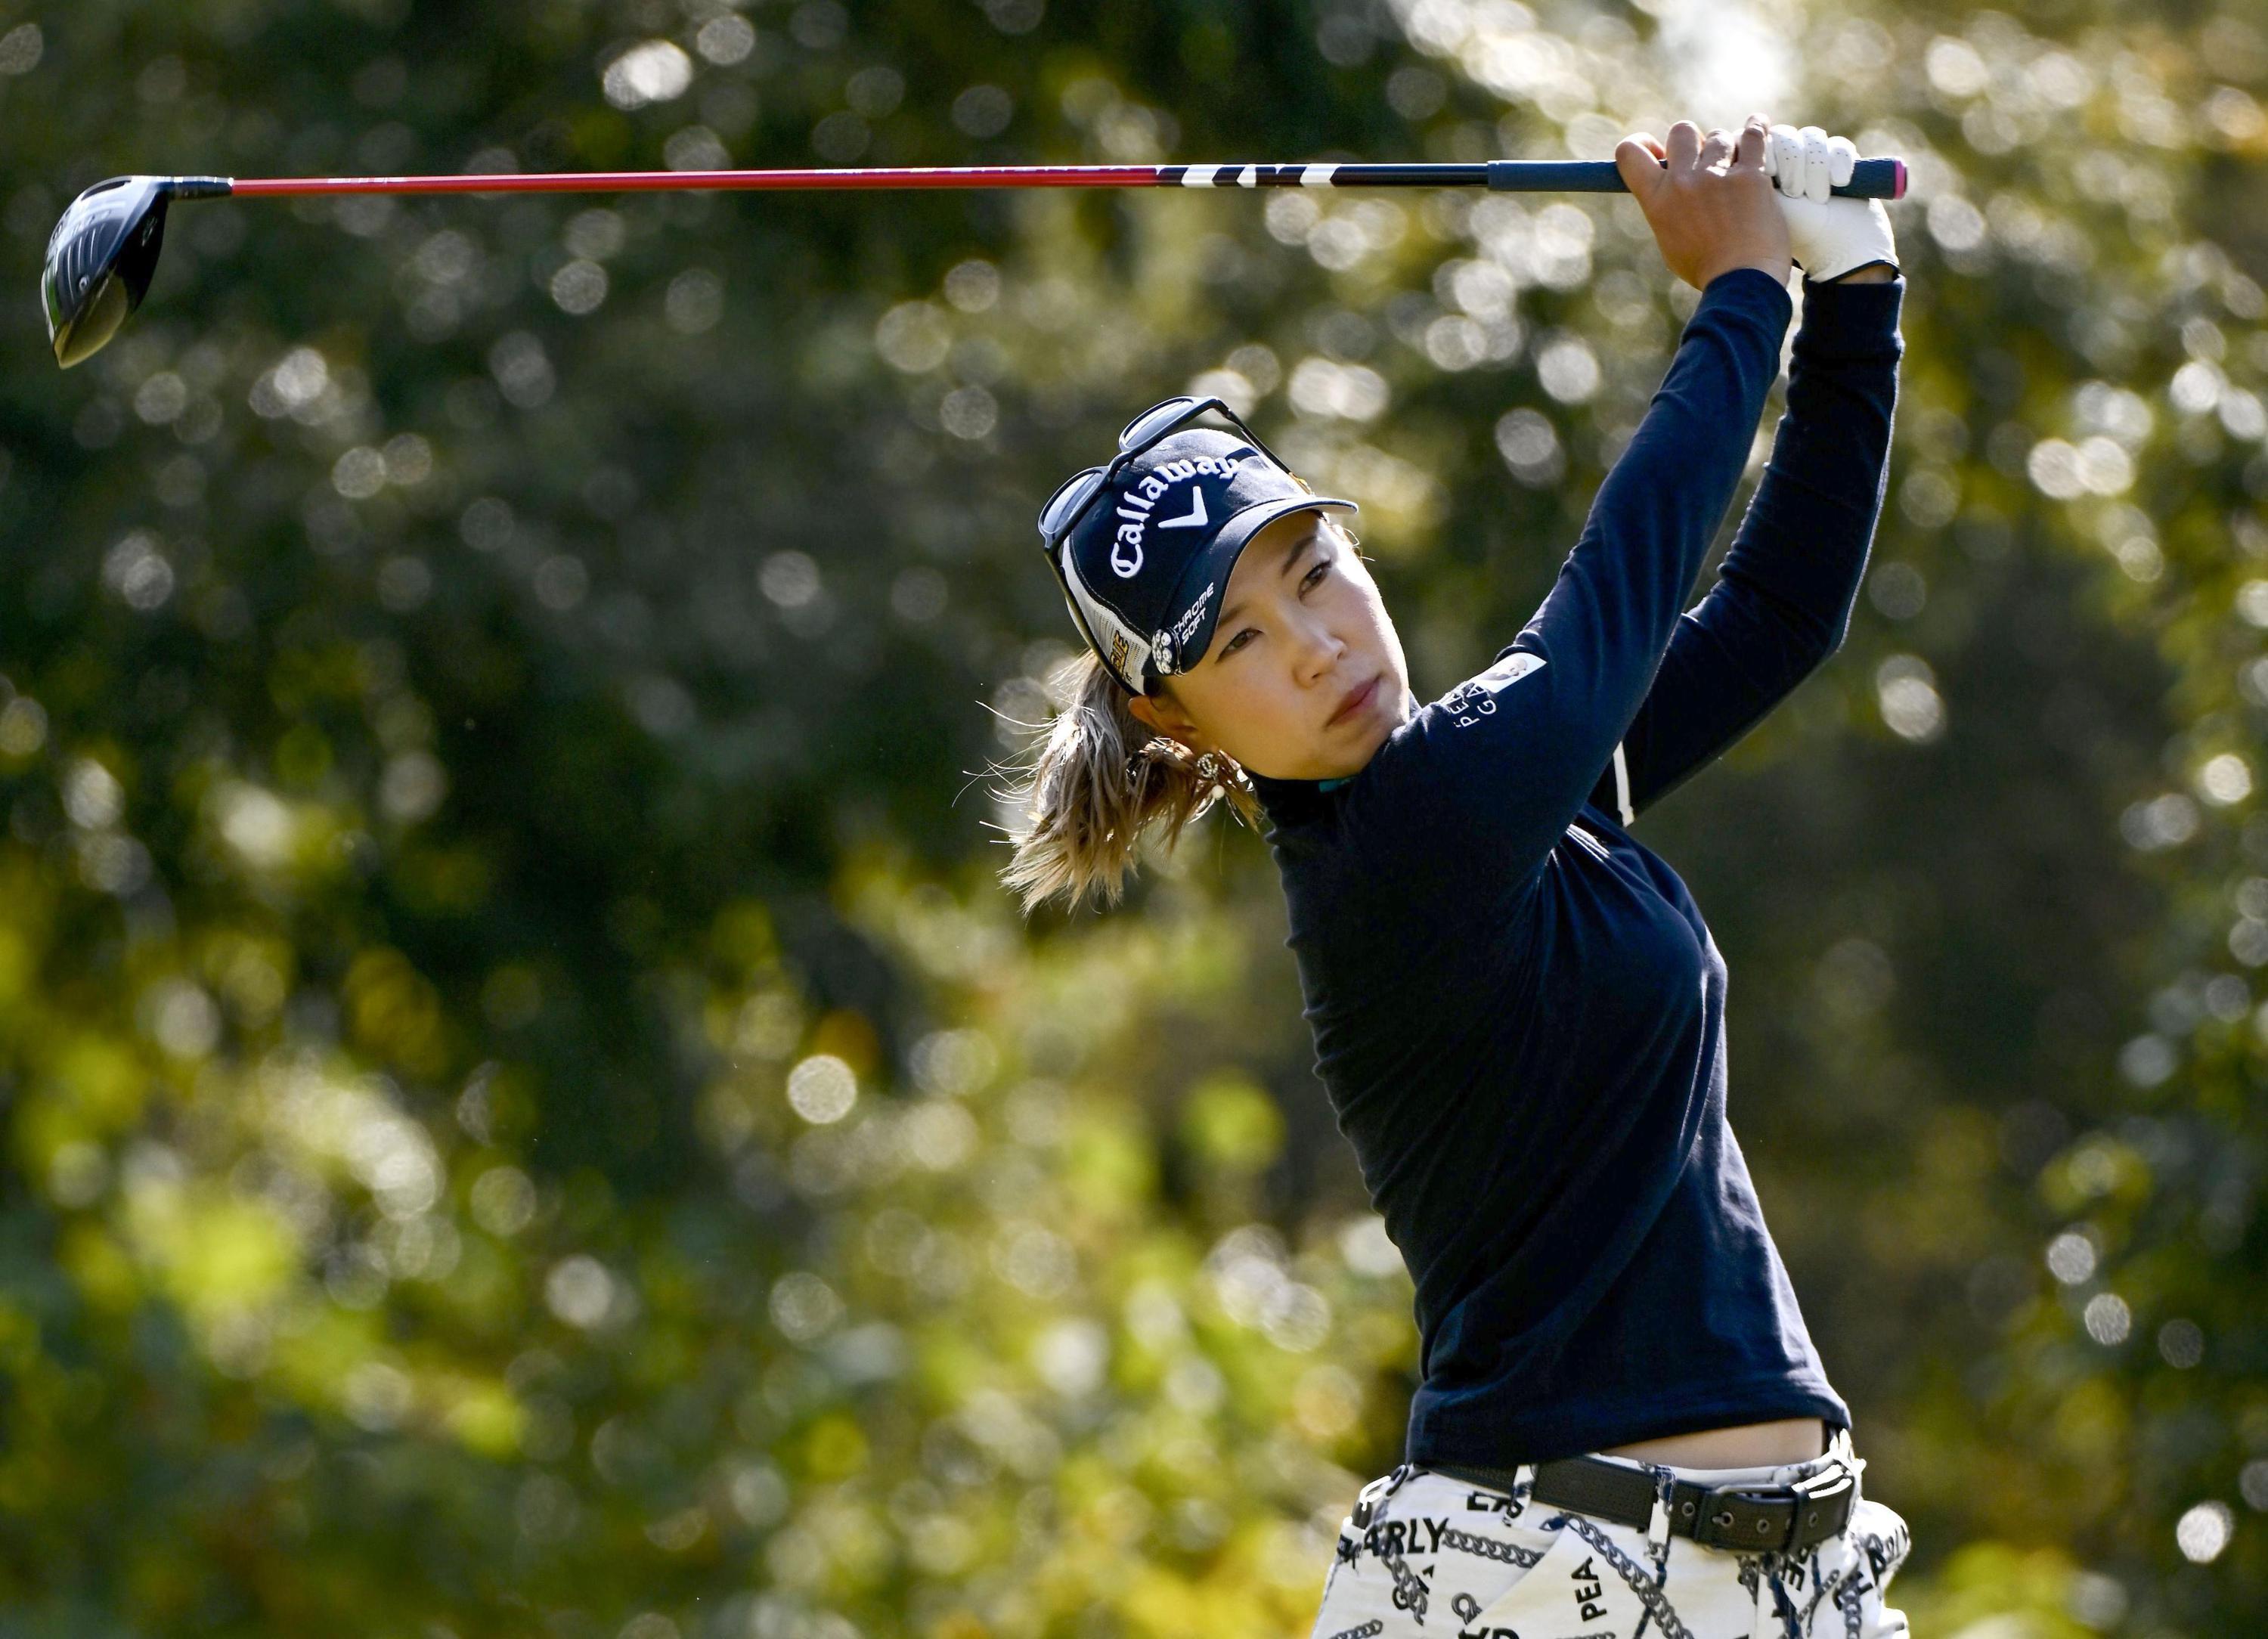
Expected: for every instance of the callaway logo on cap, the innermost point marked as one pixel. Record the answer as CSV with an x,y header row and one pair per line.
x,y
1149,562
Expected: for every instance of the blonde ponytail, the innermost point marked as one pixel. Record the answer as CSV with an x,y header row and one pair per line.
x,y
1100,779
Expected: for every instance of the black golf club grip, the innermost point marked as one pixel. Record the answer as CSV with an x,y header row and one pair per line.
x,y
1870,179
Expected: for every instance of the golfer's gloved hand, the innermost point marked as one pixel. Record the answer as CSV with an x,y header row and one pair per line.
x,y
1829,236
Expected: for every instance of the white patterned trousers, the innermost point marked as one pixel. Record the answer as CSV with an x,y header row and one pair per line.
x,y
1442,1556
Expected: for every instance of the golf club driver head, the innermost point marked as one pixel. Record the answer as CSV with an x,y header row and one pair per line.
x,y
102,253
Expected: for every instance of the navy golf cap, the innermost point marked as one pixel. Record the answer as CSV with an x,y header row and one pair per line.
x,y
1148,562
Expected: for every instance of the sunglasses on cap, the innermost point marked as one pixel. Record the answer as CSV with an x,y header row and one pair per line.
x,y
1077,493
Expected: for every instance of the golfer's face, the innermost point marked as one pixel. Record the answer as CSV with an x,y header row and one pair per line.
x,y
1301,626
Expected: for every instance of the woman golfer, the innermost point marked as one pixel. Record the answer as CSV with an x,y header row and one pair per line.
x,y
1518,1010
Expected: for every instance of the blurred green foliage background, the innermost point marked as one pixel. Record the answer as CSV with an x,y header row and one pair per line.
x,y
526,1108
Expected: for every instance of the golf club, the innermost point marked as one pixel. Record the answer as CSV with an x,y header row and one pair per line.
x,y
105,248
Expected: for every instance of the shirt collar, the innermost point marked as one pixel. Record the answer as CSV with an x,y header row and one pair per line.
x,y
1285,800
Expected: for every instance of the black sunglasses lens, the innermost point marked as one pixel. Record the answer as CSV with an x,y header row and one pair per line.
x,y
1067,499
1151,420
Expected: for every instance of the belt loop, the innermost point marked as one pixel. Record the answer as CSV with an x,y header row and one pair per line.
x,y
1848,1452
1366,1501
1657,1523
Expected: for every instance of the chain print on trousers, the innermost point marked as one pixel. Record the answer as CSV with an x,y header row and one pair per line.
x,y
1834,1584
1656,1602
1665,1491
1505,1553
1370,1629
1760,1573
1409,1590
1879,1558
1849,1600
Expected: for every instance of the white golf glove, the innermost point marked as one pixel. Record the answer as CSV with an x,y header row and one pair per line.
x,y
1829,236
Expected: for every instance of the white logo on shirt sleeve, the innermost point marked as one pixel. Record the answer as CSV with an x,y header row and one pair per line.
x,y
1511,669
1475,698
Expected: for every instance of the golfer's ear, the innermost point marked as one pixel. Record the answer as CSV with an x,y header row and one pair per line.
x,y
1159,713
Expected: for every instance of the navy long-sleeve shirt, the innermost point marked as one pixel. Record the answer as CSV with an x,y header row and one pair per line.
x,y
1519,1012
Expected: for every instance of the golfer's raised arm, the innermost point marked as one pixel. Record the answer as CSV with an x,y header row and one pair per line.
x,y
1784,593
1493,772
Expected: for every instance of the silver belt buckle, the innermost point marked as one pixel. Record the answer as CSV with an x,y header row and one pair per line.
x,y
1834,1489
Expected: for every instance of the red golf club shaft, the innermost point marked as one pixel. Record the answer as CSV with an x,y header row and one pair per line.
x,y
660,181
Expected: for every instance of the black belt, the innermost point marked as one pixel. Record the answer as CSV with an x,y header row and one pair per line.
x,y
1744,1515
